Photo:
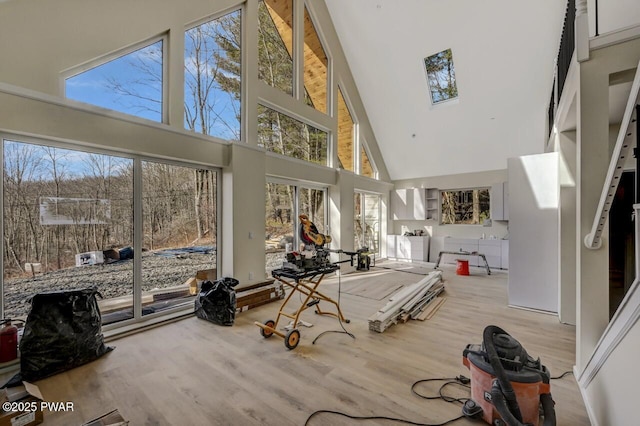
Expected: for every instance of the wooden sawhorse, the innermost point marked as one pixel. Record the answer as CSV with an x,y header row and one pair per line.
x,y
465,253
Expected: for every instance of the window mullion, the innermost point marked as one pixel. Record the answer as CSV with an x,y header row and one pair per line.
x,y
137,238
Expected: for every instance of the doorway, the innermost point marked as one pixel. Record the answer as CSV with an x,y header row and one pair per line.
x,y
622,241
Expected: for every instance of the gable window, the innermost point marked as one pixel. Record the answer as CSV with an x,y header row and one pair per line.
x,y
346,134
131,83
316,66
212,77
275,44
467,206
277,132
441,76
366,168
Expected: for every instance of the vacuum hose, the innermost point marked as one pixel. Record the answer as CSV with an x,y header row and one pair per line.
x,y
548,409
498,371
502,395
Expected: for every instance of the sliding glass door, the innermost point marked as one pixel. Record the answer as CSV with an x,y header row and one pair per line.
x,y
68,223
179,238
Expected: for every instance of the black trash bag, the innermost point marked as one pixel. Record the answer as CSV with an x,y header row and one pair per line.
x,y
216,301
63,331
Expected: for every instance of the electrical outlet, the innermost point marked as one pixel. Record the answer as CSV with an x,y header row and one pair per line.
x,y
250,276
250,235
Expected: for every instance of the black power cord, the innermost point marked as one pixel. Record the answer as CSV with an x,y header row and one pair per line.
x,y
459,380
562,375
344,330
393,419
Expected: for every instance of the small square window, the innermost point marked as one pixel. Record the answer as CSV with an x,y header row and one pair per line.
x,y
441,76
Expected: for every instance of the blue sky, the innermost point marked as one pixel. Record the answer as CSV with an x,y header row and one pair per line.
x,y
140,73
93,86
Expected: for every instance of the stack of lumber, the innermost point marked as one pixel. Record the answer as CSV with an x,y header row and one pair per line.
x,y
410,302
258,294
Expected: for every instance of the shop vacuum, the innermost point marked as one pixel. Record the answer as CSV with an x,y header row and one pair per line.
x,y
508,387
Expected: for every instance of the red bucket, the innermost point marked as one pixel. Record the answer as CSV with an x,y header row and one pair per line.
x,y
463,267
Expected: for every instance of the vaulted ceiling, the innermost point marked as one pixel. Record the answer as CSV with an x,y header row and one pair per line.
x,y
503,53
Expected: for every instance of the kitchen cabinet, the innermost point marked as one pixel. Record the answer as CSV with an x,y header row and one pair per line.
x,y
432,199
492,250
414,204
408,204
504,254
500,201
408,248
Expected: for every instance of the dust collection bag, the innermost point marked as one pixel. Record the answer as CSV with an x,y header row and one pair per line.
x,y
63,331
216,301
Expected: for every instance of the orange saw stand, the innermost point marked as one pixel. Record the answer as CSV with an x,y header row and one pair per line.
x,y
306,282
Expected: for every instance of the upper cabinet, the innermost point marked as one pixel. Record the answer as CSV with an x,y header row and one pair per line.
x,y
408,204
414,204
433,203
500,201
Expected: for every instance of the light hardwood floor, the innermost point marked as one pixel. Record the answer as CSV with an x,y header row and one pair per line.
x,y
192,372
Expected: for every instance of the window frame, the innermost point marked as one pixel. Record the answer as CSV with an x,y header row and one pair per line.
x,y
454,99
441,210
374,168
275,107
363,195
242,127
138,320
117,54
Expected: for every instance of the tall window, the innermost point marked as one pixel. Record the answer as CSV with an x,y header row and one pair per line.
x,y
275,44
284,203
366,224
179,219
346,134
316,66
469,206
131,83
441,76
280,133
212,77
67,216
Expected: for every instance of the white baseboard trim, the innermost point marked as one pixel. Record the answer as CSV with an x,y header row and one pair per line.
x,y
539,311
587,405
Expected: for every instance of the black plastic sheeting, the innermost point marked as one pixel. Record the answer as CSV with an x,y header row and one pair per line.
x,y
63,331
216,301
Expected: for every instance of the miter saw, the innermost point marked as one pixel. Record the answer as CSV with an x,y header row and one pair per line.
x,y
315,255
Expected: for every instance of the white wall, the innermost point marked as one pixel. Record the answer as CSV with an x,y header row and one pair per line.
x,y
450,182
534,202
612,395
612,15
567,267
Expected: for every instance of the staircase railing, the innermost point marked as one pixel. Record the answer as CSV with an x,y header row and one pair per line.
x,y
563,61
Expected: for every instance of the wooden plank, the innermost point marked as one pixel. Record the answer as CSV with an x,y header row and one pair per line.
x,y
429,308
433,312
